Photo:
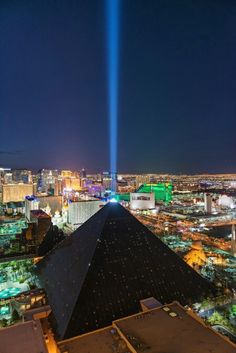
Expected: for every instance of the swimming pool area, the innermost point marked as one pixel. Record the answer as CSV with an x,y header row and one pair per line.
x,y
16,276
4,310
9,292
12,227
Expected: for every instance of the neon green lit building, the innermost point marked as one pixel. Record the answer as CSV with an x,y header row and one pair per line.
x,y
162,191
122,197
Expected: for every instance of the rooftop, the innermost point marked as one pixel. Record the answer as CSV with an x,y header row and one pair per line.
x,y
105,340
173,329
22,338
169,328
39,214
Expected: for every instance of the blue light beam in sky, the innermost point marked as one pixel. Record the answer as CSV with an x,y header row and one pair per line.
x,y
113,63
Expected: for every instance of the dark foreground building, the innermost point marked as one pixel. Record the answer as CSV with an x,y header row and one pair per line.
x,y
168,328
102,271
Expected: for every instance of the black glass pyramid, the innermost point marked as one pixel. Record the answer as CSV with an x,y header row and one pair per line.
x,y
102,271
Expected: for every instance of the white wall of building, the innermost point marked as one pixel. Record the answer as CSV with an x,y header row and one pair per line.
x,y
226,201
30,205
142,201
80,211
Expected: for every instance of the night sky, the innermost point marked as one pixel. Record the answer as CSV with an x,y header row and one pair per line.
x,y
177,85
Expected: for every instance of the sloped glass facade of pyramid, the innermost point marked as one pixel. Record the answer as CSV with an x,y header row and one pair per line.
x,y
102,271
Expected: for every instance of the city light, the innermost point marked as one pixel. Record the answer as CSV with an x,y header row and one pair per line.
x,y
113,63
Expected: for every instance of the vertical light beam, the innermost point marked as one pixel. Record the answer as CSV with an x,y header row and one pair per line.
x,y
113,62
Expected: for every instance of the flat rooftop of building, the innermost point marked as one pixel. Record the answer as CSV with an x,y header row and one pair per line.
x,y
173,329
39,214
23,338
169,328
105,340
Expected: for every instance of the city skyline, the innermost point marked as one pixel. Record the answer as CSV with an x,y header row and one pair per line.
x,y
176,108
73,247
117,176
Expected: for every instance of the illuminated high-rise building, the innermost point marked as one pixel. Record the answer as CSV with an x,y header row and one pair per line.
x,y
113,183
80,211
46,180
57,187
8,178
16,192
3,171
83,173
22,176
208,203
106,180
66,173
71,183
109,181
